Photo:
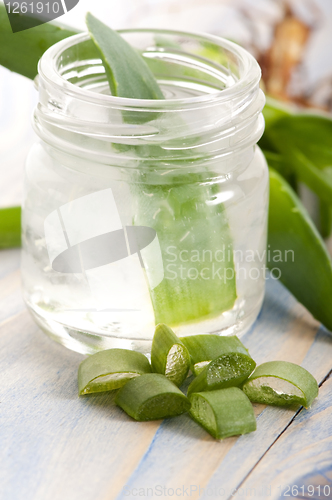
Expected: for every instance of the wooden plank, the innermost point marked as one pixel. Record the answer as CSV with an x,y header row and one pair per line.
x,y
54,445
302,456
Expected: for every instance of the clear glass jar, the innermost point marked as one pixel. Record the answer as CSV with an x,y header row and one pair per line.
x,y
138,212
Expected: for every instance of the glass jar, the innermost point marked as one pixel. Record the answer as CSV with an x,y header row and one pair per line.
x,y
139,212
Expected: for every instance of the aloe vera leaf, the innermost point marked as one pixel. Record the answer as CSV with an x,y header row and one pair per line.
x,y
223,413
325,227
280,383
10,227
304,140
305,264
152,397
309,133
317,179
177,209
325,211
205,348
169,356
110,369
20,52
272,112
282,166
227,370
188,228
127,73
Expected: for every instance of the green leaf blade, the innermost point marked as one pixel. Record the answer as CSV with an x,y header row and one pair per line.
x,y
10,227
20,52
304,142
307,270
132,80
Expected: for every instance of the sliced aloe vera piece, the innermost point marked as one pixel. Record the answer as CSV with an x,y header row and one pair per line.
x,y
280,383
205,348
223,413
110,369
152,397
169,356
227,370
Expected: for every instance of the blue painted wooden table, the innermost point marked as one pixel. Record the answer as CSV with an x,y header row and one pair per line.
x,y
55,446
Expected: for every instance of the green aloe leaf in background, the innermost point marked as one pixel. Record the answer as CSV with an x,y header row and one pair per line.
x,y
306,267
299,146
325,214
10,227
20,52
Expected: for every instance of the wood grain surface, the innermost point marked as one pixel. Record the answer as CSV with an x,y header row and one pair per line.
x,y
55,445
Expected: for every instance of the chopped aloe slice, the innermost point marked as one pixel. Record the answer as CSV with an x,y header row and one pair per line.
x,y
110,369
227,370
152,397
169,356
280,383
205,348
223,413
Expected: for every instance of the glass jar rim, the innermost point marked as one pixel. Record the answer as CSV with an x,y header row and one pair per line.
x,y
250,74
